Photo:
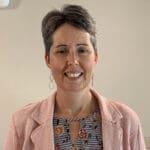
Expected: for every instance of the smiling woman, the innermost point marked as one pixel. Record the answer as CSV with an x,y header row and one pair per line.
x,y
75,116
72,58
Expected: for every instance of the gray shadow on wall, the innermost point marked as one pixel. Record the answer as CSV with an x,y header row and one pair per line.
x,y
14,4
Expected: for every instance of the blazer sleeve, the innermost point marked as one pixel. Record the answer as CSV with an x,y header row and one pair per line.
x,y
12,141
137,140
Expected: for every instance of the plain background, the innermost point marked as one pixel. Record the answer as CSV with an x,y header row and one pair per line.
x,y
123,71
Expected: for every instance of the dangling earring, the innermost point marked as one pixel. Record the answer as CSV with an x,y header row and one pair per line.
x,y
51,81
92,80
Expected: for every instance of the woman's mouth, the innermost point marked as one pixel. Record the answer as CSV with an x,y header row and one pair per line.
x,y
73,74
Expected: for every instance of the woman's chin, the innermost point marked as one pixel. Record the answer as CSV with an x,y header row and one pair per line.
x,y
75,87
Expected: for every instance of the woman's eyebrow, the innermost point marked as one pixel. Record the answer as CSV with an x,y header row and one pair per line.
x,y
64,45
60,45
82,44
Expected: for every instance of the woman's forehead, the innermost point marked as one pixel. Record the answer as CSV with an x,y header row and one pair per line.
x,y
67,34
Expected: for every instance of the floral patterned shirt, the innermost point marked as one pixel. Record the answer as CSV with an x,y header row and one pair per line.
x,y
89,134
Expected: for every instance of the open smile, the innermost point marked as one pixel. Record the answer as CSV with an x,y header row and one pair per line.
x,y
73,74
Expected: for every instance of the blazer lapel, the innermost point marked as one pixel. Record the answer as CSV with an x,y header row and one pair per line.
x,y
42,135
111,129
112,135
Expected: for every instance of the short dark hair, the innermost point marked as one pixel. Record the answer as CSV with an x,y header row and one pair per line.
x,y
74,15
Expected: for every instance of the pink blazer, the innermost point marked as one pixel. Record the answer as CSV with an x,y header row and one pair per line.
x,y
32,127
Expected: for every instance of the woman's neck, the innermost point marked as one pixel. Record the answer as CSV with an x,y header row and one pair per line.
x,y
72,103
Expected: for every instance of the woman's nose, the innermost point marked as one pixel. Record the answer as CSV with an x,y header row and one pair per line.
x,y
72,58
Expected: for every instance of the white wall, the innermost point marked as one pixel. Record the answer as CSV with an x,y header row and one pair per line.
x,y
123,40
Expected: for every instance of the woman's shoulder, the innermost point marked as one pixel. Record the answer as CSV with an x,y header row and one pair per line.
x,y
129,118
113,105
32,114
120,113
21,118
38,106
22,114
125,110
29,107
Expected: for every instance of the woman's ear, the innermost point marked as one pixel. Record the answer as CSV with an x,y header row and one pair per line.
x,y
47,60
96,56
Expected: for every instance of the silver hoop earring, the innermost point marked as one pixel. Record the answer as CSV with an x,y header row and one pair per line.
x,y
51,81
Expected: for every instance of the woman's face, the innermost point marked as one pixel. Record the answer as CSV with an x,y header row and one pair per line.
x,y
72,58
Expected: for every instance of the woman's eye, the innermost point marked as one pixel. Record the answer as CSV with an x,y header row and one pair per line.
x,y
61,51
83,51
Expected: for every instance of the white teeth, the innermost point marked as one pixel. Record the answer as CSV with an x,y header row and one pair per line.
x,y
73,75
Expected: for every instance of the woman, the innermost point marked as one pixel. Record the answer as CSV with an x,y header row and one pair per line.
x,y
75,116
